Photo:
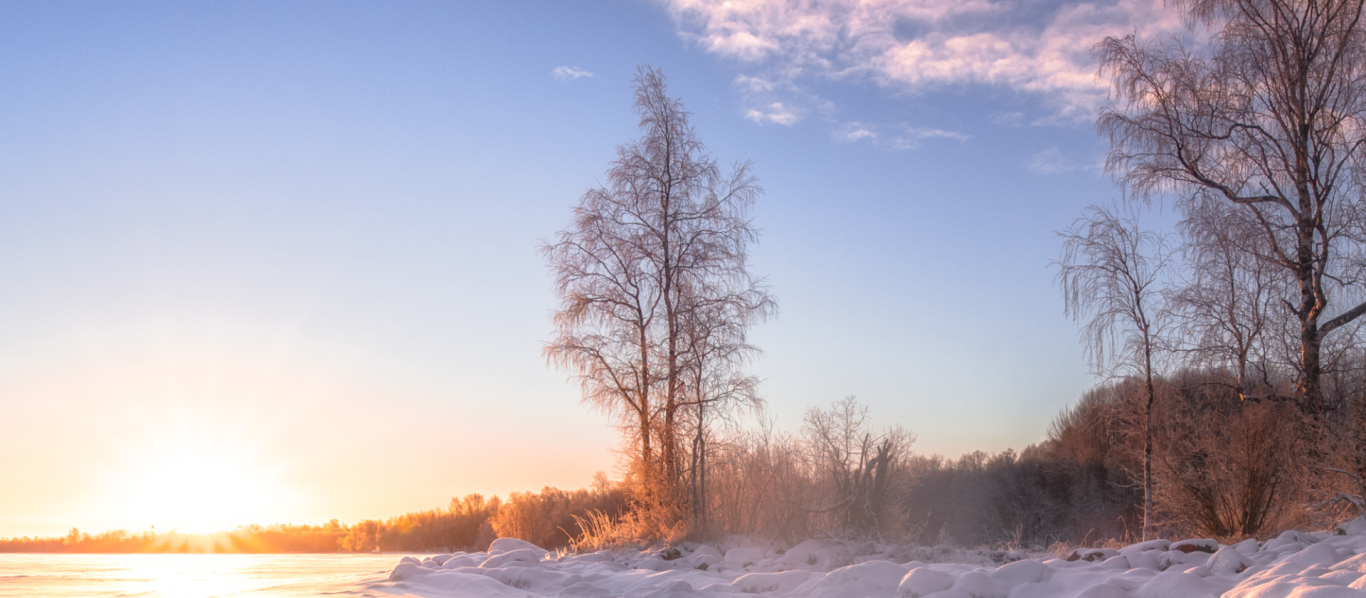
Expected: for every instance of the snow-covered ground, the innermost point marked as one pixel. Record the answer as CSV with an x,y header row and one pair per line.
x,y
1292,565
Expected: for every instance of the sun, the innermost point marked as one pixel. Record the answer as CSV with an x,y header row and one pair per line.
x,y
198,477
198,489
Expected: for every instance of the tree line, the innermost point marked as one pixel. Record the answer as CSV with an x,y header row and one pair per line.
x,y
546,518
245,539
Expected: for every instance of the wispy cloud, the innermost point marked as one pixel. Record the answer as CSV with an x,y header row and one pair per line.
x,y
775,113
919,133
900,137
909,138
855,131
570,73
785,47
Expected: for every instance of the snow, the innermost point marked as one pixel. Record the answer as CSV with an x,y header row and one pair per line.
x,y
1292,565
923,581
502,545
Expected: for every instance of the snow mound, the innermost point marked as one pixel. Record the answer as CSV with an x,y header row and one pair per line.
x,y
745,556
1228,561
530,556
923,581
502,545
758,583
1292,565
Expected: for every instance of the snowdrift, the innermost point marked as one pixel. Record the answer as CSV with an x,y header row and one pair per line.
x,y
1293,565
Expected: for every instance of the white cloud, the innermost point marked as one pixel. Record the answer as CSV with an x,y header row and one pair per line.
x,y
570,73
775,113
919,133
856,131
912,137
920,45
754,84
858,134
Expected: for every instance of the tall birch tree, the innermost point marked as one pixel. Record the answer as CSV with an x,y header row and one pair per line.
x,y
1111,274
655,292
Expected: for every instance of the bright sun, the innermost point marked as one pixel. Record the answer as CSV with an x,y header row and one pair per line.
x,y
197,479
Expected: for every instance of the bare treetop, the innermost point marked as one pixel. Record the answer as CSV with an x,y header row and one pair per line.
x,y
1270,117
1111,272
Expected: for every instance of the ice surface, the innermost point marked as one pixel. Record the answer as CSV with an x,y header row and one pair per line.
x,y
1292,565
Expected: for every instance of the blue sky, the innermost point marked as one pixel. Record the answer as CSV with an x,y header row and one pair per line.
x,y
306,232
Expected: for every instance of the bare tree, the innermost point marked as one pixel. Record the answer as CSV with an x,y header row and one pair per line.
x,y
1268,116
653,283
1228,304
760,479
860,467
1111,274
714,359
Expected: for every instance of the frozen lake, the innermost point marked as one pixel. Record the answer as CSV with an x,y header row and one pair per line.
x,y
194,575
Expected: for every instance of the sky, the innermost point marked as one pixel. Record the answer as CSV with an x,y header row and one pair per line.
x,y
268,262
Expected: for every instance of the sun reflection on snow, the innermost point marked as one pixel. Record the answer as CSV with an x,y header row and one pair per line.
x,y
191,575
196,576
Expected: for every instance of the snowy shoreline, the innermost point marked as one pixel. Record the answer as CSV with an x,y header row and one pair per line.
x,y
1292,565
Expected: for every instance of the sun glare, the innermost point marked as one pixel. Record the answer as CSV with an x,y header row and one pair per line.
x,y
198,490
198,479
